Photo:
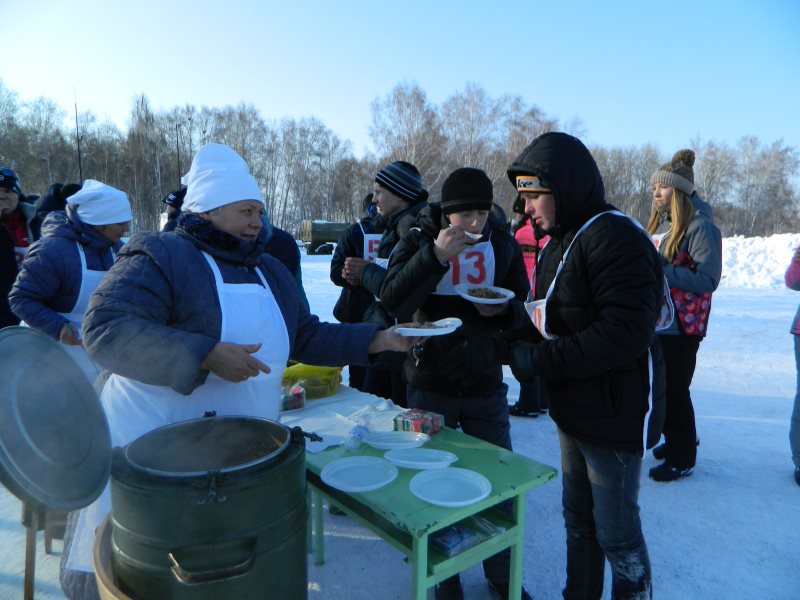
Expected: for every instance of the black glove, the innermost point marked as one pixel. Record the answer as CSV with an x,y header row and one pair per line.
x,y
520,359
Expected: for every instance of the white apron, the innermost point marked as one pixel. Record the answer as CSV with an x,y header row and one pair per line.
x,y
250,314
89,282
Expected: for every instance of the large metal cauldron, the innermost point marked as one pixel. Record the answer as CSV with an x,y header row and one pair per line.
x,y
211,508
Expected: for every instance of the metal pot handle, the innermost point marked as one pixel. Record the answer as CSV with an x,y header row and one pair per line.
x,y
194,577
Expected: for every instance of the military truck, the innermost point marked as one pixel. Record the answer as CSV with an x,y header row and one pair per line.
x,y
319,236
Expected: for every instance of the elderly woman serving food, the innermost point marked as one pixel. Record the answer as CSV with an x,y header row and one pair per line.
x,y
200,319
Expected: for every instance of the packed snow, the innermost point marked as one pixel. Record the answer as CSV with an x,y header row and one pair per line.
x,y
730,531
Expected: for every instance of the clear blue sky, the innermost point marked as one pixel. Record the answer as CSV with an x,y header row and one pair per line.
x,y
634,72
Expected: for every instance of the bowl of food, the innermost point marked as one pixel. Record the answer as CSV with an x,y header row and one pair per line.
x,y
486,294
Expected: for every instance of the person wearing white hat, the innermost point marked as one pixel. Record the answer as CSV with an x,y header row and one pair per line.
x,y
63,268
201,319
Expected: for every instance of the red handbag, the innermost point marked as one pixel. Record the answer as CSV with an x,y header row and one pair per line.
x,y
692,308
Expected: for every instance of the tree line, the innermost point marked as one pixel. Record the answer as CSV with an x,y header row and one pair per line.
x,y
308,172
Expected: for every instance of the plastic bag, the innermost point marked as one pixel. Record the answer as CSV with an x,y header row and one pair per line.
x,y
463,535
293,397
318,382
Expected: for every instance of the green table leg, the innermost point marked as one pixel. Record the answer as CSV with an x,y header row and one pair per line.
x,y
419,568
515,576
310,524
319,531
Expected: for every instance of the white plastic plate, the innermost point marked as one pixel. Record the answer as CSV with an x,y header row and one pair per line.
x,y
358,473
450,487
463,291
421,458
443,327
396,440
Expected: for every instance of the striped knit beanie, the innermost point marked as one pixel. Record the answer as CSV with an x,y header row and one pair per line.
x,y
403,180
677,173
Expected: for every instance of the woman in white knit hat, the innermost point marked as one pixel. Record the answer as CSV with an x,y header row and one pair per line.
x,y
200,319
62,270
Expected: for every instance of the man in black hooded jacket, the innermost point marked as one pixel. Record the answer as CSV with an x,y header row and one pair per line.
x,y
600,282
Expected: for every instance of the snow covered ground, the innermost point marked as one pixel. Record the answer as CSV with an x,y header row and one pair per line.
x,y
730,531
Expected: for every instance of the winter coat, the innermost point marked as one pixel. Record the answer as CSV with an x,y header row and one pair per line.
x,y
172,221
281,245
792,279
50,279
695,271
353,300
156,314
9,269
465,362
397,225
603,308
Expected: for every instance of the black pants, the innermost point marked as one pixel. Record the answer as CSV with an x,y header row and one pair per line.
x,y
486,418
532,397
357,374
387,383
680,432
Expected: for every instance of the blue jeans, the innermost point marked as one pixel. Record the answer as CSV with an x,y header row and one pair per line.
x,y
601,514
794,425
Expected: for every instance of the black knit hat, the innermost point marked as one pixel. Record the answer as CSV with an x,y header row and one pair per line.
x,y
69,189
9,181
403,180
175,198
466,189
677,173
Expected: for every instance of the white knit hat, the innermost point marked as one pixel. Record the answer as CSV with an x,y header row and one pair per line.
x,y
218,176
100,204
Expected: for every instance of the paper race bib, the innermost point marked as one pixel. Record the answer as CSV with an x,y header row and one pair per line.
x,y
473,266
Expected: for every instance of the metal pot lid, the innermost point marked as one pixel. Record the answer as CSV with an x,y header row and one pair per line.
x,y
195,447
55,446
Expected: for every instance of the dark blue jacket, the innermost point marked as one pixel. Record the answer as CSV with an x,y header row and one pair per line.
x,y
281,245
50,279
156,315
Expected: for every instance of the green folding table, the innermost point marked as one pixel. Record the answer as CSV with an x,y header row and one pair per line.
x,y
406,522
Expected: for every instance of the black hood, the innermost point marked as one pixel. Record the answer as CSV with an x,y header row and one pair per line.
x,y
566,166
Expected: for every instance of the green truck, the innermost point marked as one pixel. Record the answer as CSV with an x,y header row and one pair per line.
x,y
320,236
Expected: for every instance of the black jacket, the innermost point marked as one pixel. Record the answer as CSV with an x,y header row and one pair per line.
x,y
8,260
397,226
354,299
603,308
467,361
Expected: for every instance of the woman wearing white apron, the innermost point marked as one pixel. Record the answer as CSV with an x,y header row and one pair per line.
x,y
62,270
200,319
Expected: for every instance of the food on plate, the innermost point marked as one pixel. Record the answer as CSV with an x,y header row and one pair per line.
x,y
426,325
483,292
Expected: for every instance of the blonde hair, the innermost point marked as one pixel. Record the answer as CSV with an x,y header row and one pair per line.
x,y
681,213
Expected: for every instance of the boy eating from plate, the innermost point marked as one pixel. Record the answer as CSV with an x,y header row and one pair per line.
x,y
459,375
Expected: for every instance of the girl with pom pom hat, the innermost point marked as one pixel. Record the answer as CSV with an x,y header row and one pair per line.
x,y
690,246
